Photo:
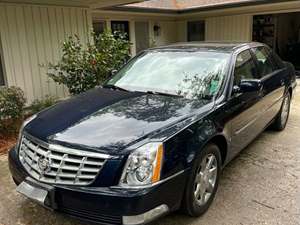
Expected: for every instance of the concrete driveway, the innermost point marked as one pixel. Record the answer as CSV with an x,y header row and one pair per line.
x,y
261,186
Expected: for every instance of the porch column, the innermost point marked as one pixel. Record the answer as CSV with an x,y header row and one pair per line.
x,y
132,37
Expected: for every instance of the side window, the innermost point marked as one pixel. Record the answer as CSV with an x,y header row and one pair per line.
x,y
264,60
277,60
244,67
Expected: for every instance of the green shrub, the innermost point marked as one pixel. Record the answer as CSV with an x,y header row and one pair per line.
x,y
83,67
12,102
41,104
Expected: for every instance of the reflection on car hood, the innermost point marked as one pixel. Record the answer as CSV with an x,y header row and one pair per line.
x,y
109,120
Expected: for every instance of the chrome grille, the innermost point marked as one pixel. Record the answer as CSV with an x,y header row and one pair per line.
x,y
57,164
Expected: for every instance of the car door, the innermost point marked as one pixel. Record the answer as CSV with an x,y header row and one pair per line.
x,y
244,107
273,78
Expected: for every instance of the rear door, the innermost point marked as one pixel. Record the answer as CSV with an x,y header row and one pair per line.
x,y
273,80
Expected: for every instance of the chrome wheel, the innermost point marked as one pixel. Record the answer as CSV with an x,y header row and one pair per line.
x,y
206,179
285,110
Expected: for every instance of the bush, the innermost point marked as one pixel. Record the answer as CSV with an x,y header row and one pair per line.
x,y
39,105
84,67
12,102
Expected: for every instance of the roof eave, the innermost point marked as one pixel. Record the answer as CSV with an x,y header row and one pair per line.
x,y
194,9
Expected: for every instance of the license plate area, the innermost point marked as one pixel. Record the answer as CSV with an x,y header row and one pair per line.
x,y
39,193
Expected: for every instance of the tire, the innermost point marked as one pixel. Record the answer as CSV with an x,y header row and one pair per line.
x,y
195,206
282,118
16,182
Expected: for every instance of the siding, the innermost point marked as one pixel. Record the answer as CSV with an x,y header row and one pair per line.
x,y
167,35
31,35
229,28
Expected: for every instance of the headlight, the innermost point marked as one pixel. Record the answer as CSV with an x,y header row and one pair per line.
x,y
28,120
143,166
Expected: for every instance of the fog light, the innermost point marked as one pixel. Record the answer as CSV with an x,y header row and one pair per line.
x,y
145,217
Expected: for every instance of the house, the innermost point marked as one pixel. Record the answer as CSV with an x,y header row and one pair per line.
x,y
32,31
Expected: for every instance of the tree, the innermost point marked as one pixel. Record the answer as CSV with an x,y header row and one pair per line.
x,y
83,67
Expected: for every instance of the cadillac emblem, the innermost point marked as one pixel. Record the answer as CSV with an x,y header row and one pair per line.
x,y
43,164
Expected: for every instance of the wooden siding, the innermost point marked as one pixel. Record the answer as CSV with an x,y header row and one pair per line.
x,y
229,28
31,35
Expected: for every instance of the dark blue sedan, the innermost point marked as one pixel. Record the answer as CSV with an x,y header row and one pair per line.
x,y
155,137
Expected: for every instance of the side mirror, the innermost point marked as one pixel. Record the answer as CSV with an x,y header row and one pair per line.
x,y
253,85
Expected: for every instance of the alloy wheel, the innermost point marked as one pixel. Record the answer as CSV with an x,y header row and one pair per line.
x,y
285,110
206,179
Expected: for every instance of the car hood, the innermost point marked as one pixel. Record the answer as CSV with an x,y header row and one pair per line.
x,y
109,120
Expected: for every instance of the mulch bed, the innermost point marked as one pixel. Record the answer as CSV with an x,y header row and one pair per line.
x,y
6,142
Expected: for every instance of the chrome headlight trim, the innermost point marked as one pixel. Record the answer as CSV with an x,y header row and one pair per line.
x,y
143,166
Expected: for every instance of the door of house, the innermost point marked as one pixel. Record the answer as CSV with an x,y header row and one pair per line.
x,y
141,35
196,30
120,26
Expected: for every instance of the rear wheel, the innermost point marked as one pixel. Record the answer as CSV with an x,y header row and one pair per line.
x,y
281,119
203,181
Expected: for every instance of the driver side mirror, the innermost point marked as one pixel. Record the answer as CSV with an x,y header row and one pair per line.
x,y
251,85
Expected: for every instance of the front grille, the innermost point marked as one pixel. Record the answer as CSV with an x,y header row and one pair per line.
x,y
56,164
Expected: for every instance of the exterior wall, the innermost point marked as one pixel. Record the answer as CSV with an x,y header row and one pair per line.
x,y
181,30
31,35
229,28
168,32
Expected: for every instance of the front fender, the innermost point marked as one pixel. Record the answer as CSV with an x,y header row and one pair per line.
x,y
182,149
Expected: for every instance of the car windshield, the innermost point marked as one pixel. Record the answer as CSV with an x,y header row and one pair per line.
x,y
190,74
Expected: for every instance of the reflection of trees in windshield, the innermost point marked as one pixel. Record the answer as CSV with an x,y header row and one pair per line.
x,y
151,108
200,86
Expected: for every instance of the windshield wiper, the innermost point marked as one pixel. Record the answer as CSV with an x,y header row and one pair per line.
x,y
163,94
115,87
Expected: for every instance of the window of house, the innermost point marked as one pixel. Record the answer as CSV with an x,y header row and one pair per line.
x,y
1,74
244,67
99,27
196,30
2,81
264,58
120,26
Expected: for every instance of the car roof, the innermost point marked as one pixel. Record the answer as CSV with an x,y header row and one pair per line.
x,y
207,46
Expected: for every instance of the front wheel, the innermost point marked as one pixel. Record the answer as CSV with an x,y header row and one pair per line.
x,y
203,181
281,120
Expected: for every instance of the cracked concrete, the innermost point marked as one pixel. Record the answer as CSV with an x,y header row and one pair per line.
x,y
261,186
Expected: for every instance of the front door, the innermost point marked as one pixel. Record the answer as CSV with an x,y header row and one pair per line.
x,y
244,107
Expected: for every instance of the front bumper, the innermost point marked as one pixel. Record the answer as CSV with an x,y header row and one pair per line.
x,y
106,205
